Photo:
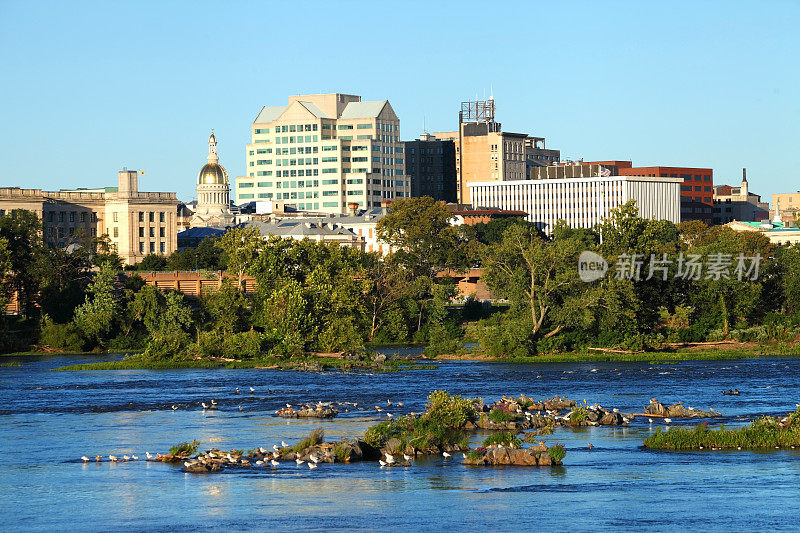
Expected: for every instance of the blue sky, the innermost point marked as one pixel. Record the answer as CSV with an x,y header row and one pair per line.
x,y
90,87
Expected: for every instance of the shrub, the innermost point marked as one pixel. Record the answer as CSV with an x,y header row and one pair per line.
x,y
476,454
66,337
579,415
377,435
314,438
448,410
500,416
342,452
557,453
506,438
184,448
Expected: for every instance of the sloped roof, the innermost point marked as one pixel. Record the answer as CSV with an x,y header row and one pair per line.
x,y
269,113
364,109
314,109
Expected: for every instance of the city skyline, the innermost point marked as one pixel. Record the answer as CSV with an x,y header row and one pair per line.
x,y
705,85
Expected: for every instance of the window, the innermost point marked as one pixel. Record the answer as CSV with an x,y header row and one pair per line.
x,y
116,232
141,232
261,130
265,195
344,127
365,126
244,184
330,204
328,171
346,138
114,217
161,216
152,232
265,184
162,232
152,247
264,161
330,193
329,148
246,196
363,137
163,247
141,247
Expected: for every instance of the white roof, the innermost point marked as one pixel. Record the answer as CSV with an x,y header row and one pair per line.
x,y
269,114
364,109
314,110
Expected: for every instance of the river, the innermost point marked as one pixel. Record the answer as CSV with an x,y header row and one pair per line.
x,y
50,419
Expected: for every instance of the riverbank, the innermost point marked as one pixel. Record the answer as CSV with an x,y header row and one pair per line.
x,y
306,363
697,352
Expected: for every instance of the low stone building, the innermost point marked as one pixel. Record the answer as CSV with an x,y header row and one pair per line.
x,y
137,223
776,232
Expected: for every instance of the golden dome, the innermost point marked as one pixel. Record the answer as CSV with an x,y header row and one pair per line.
x,y
212,173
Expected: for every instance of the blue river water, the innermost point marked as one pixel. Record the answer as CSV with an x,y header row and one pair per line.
x,y
50,419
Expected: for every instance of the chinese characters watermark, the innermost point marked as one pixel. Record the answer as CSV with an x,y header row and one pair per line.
x,y
637,267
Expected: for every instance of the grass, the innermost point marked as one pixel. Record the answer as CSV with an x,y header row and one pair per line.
x,y
765,433
500,416
476,454
314,438
557,452
184,448
506,438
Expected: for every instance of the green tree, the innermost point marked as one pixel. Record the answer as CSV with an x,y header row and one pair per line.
x,y
97,315
535,275
240,247
152,262
420,230
5,268
228,308
22,231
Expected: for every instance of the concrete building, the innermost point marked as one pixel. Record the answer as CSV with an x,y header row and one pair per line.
x,y
137,223
738,203
582,202
787,204
213,208
696,191
323,151
301,229
361,222
484,152
776,232
431,167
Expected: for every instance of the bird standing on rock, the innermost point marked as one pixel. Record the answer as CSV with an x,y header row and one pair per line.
x,y
312,465
85,459
274,462
408,457
445,454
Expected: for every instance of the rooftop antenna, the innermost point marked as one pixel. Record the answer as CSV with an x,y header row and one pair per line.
x,y
491,92
424,130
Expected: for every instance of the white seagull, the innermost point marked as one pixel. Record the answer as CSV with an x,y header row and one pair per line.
x,y
135,457
85,459
445,454
174,407
667,420
299,461
126,458
312,465
382,462
389,458
274,462
259,462
313,458
204,405
148,455
283,443
113,458
252,389
407,457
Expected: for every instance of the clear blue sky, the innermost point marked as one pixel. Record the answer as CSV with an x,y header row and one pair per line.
x,y
90,87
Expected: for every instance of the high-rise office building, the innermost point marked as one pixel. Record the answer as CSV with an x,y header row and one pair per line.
x,y
431,167
322,152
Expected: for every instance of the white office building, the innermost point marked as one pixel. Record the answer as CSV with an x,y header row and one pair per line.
x,y
581,202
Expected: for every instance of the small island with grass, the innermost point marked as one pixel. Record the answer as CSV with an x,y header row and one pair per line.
x,y
765,433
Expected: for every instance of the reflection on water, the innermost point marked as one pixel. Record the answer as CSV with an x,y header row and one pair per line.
x,y
51,419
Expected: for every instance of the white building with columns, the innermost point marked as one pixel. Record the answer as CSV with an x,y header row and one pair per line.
x,y
213,192
581,202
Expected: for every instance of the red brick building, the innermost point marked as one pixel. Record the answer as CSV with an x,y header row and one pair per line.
x,y
697,191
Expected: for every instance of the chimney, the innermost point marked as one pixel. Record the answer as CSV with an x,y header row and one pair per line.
x,y
386,203
744,188
353,208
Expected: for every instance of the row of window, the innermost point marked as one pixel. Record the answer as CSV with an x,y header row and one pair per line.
x,y
162,247
697,188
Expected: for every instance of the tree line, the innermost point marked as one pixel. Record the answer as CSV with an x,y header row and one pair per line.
x,y
317,297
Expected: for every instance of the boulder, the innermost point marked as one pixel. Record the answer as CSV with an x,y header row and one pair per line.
x,y
611,418
499,455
